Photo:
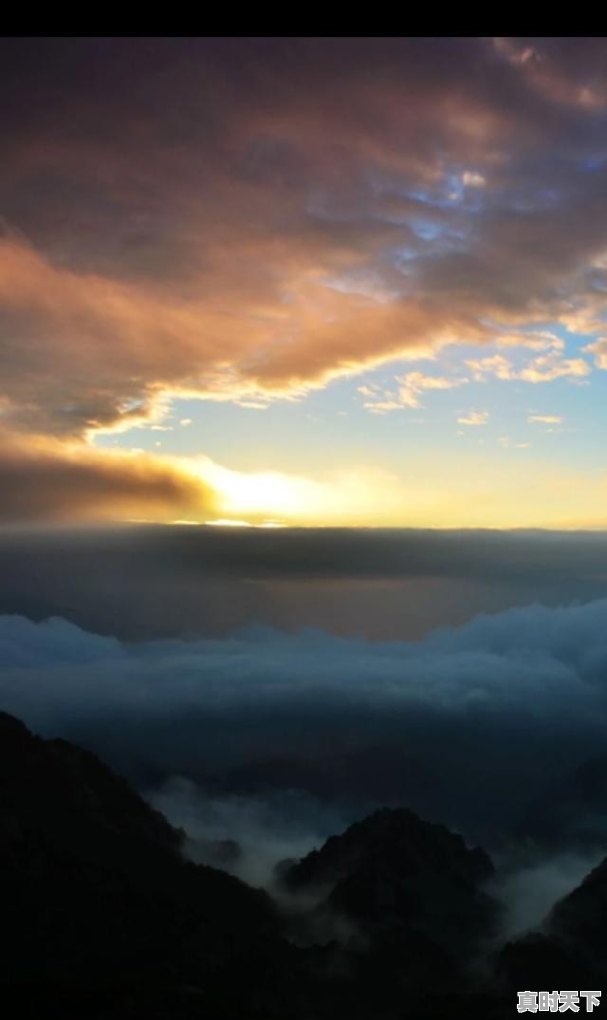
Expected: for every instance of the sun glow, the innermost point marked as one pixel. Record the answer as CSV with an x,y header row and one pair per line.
x,y
247,497
354,496
231,522
370,496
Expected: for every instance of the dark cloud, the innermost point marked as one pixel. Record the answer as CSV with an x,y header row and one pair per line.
x,y
49,482
153,581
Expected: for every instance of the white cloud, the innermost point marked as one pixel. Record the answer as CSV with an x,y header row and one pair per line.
x,y
496,365
474,418
411,386
552,366
536,340
541,369
414,383
509,443
471,179
545,419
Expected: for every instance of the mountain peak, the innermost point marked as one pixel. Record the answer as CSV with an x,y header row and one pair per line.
x,y
395,871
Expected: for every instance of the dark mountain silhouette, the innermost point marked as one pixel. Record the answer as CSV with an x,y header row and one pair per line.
x,y
579,920
98,908
394,872
103,918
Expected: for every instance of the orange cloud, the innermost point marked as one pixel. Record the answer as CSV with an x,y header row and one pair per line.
x,y
599,350
88,352
249,219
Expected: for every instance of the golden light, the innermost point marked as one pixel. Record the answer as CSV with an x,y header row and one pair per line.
x,y
273,499
248,496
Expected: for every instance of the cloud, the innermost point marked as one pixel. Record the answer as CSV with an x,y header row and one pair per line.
x,y
599,350
474,418
62,325
541,369
539,65
414,383
262,829
408,393
196,488
145,581
536,340
62,322
529,890
545,419
249,219
49,481
473,180
548,367
495,365
433,722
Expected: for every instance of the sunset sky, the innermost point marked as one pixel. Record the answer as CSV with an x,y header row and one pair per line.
x,y
310,282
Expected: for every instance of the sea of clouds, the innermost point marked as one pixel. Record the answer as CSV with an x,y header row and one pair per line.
x,y
484,716
259,737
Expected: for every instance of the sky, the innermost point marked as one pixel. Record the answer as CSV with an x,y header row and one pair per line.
x,y
304,281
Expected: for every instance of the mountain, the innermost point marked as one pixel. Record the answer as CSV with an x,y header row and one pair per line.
x,y
393,869
103,918
408,893
99,910
580,920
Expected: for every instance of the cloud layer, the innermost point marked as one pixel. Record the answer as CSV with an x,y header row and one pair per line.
x,y
470,725
241,217
140,582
